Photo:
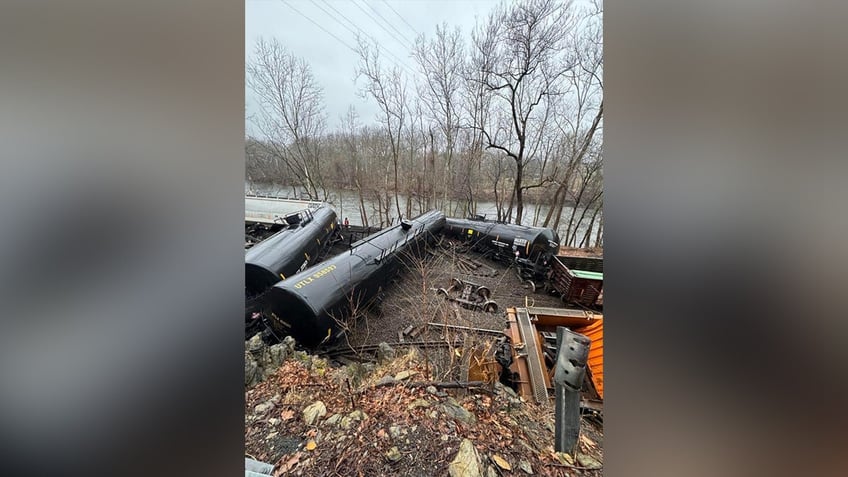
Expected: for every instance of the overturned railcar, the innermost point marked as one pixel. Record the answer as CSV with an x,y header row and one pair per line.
x,y
502,241
311,305
531,249
285,253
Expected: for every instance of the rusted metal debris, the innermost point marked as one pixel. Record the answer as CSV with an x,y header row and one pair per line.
x,y
471,295
532,348
569,371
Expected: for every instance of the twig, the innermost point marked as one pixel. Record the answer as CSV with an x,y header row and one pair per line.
x,y
477,385
350,393
573,466
467,328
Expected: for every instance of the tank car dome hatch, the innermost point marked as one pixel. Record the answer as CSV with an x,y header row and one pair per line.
x,y
293,219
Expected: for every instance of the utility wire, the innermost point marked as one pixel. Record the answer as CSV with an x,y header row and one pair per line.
x,y
388,23
399,63
401,18
319,26
377,22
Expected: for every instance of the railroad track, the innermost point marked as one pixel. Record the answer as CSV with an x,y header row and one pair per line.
x,y
346,350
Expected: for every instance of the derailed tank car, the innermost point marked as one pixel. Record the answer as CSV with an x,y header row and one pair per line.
x,y
310,305
502,240
531,248
284,254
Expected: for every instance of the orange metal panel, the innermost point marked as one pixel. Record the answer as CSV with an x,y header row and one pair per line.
x,y
595,332
583,322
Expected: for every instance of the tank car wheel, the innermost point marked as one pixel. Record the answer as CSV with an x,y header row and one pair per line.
x,y
442,291
484,293
490,307
529,285
456,284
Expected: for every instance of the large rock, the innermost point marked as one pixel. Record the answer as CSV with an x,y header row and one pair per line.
x,y
405,375
393,454
333,420
261,360
418,403
588,461
262,408
288,344
354,416
356,372
505,390
466,463
458,412
277,354
313,412
385,352
252,373
255,345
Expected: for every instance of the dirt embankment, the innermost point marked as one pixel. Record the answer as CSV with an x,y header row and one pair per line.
x,y
310,418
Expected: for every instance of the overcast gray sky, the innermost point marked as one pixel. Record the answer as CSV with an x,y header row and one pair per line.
x,y
332,62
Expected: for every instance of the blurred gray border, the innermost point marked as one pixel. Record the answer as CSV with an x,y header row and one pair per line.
x,y
121,199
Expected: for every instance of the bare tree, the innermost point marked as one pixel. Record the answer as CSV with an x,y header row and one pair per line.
x,y
587,193
350,134
291,111
518,53
581,127
512,113
388,88
441,62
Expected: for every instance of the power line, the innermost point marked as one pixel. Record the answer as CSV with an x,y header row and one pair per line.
x,y
399,63
376,22
319,26
341,15
401,18
387,23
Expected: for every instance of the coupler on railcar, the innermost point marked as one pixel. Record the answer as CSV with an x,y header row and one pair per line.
x,y
533,275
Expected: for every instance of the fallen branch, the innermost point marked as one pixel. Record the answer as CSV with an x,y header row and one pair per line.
x,y
466,328
475,385
577,467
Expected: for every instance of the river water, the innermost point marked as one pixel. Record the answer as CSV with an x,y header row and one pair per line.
x,y
346,204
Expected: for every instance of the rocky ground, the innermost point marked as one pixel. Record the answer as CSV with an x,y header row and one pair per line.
x,y
311,416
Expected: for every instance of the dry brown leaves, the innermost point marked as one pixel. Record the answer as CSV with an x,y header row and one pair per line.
x,y
502,434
